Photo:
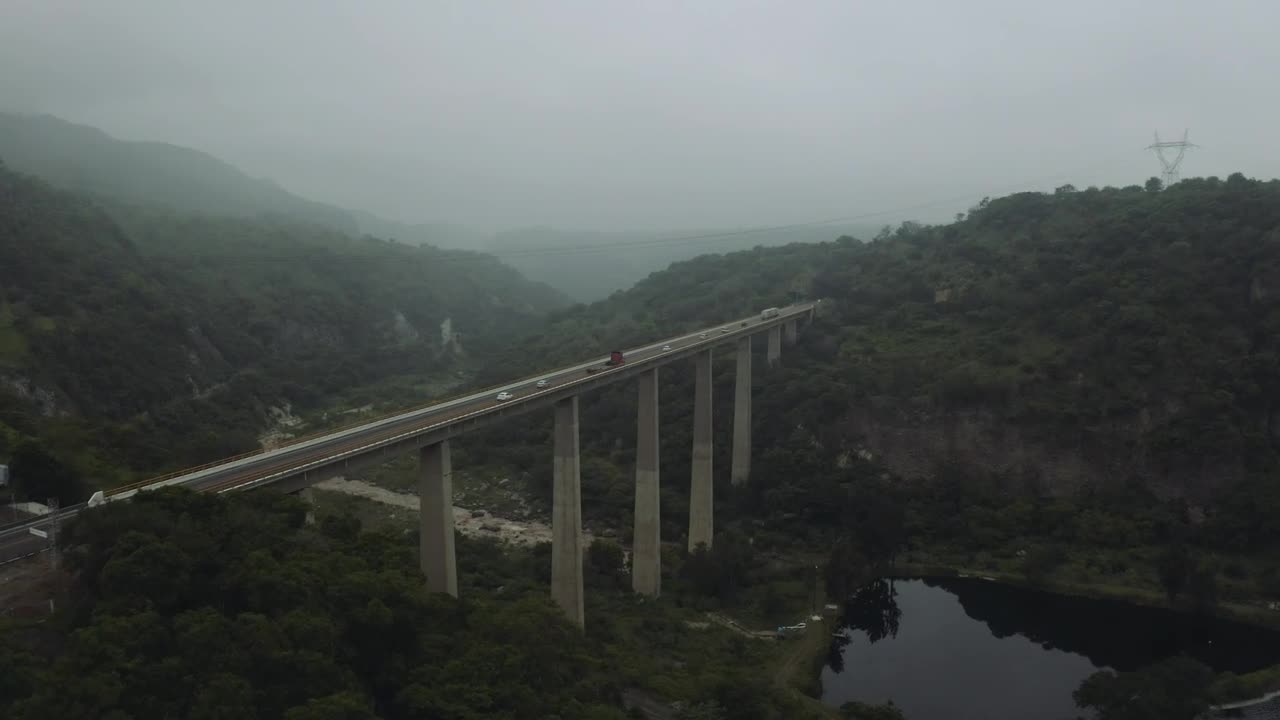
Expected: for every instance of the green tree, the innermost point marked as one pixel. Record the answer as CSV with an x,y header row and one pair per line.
x,y
38,475
340,527
1174,568
864,711
1041,561
1173,689
339,706
844,564
605,556
146,572
720,572
224,697
703,711
876,521
208,606
1202,587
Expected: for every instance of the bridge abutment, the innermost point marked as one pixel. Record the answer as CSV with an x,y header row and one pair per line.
x,y
435,518
700,485
646,555
566,514
740,472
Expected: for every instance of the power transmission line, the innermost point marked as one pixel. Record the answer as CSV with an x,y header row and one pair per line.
x,y
1169,174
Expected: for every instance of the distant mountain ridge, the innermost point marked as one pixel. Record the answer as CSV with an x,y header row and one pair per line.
x,y
1058,341
144,338
595,264
582,264
443,235
87,160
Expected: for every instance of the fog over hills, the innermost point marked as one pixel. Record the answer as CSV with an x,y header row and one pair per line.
x,y
587,265
580,116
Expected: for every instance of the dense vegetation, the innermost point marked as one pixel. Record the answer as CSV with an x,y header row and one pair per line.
x,y
1132,331
1174,689
192,606
87,160
1073,389
1138,328
134,339
186,181
186,605
589,266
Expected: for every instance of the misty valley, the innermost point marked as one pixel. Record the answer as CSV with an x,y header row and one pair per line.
x,y
616,362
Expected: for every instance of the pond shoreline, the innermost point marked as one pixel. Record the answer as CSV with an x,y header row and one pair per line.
x,y
1019,616
1260,683
1248,614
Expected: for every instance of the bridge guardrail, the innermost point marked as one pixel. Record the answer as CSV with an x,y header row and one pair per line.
x,y
292,442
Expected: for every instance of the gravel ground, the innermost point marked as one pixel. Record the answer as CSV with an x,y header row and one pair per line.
x,y
476,522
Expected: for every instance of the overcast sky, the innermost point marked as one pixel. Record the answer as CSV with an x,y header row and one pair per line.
x,y
649,115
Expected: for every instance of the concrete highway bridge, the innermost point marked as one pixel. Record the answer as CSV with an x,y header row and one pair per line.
x,y
427,431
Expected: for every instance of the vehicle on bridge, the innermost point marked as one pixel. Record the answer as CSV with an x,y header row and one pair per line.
x,y
504,396
769,312
543,383
615,359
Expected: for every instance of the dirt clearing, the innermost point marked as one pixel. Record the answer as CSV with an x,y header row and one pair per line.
x,y
475,523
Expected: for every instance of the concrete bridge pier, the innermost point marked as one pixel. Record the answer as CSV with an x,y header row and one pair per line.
x,y
774,354
566,514
700,487
789,332
435,524
308,497
646,556
740,472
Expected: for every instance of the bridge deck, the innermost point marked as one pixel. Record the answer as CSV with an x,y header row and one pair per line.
x,y
307,460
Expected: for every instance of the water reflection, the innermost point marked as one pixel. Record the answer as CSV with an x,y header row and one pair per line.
x,y
1111,633
968,648
873,610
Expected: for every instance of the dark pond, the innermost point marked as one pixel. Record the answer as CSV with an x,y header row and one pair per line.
x,y
965,648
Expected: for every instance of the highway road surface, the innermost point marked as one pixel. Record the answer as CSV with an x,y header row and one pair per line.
x,y
256,468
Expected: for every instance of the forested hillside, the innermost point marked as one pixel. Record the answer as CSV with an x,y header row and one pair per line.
x,y
138,338
589,266
87,160
1108,356
218,606
196,606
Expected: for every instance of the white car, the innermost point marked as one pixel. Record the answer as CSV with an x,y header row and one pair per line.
x,y
665,348
703,336
543,383
504,396
724,330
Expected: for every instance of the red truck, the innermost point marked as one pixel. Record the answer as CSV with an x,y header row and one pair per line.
x,y
615,359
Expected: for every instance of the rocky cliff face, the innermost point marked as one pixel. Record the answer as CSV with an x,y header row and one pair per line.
x,y
984,443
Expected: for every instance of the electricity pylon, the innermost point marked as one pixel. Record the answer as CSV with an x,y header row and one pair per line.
x,y
1170,173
